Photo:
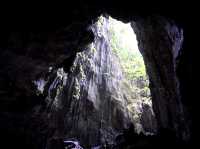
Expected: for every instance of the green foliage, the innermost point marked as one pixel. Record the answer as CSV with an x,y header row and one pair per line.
x,y
130,59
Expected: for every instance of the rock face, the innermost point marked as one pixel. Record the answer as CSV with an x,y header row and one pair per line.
x,y
94,96
94,102
97,108
160,56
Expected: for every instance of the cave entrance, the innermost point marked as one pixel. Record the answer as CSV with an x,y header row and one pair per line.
x,y
110,87
135,82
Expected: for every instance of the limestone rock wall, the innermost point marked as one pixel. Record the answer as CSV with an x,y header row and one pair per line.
x,y
160,55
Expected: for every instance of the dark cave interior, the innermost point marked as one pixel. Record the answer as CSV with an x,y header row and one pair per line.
x,y
33,39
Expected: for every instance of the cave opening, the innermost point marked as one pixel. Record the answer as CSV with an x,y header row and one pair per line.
x,y
133,80
90,100
110,87
57,102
